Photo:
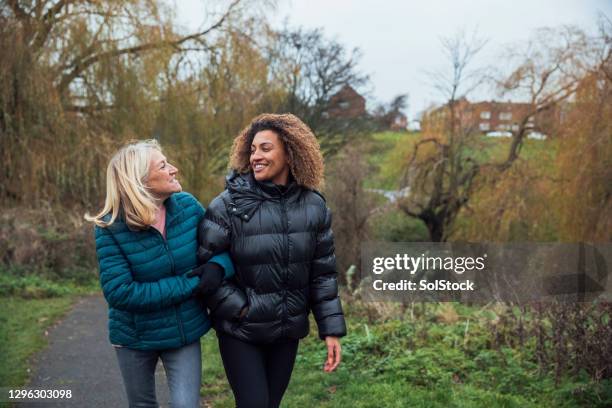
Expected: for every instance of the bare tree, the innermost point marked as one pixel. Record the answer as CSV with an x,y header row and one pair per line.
x,y
72,37
547,72
351,205
312,69
443,171
441,179
77,77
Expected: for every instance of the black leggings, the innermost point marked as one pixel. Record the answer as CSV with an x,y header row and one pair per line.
x,y
258,374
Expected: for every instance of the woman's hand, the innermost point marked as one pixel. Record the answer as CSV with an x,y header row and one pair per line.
x,y
334,352
210,275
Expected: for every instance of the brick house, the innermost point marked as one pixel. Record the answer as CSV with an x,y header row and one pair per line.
x,y
346,104
399,121
489,116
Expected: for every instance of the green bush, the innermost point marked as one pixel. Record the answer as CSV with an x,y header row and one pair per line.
x,y
395,226
16,282
54,243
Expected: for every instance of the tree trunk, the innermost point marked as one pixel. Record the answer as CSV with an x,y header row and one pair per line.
x,y
436,229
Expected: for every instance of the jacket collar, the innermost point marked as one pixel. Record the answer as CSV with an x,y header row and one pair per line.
x,y
247,194
245,183
173,210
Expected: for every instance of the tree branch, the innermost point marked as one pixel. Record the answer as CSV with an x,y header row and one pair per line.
x,y
19,12
47,23
81,65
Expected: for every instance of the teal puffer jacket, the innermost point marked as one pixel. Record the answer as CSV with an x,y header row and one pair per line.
x,y
144,280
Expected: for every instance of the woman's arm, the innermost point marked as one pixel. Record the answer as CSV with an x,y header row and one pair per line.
x,y
214,236
223,259
324,300
120,289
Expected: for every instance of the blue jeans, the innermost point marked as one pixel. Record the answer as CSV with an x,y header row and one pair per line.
x,y
183,369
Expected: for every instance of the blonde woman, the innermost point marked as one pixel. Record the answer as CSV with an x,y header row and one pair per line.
x,y
146,241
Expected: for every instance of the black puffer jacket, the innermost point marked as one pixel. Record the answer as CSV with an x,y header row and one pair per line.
x,y
282,245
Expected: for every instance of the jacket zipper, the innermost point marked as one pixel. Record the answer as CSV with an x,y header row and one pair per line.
x,y
285,261
173,271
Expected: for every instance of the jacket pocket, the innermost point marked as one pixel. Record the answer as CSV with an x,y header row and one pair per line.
x,y
251,305
263,307
230,306
122,325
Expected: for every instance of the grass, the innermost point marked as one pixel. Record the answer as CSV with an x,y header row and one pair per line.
x,y
39,287
388,152
428,361
422,359
495,150
215,389
29,304
425,362
23,326
385,151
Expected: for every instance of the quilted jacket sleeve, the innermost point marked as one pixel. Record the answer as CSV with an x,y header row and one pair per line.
x,y
324,300
223,259
123,293
214,236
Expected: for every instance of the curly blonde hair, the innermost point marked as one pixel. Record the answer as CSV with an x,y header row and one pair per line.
x,y
301,145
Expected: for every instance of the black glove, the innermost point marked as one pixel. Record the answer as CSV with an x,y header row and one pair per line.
x,y
211,275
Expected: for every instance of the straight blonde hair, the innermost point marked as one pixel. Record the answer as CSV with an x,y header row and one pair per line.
x,y
126,189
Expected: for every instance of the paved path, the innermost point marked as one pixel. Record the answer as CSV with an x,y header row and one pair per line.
x,y
80,358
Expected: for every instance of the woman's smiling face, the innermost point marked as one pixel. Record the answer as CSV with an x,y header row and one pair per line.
x,y
161,180
268,158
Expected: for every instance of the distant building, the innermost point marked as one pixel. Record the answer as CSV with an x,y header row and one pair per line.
x,y
497,118
346,104
414,126
399,121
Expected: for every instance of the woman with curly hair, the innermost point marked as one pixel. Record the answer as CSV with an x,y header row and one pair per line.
x,y
277,230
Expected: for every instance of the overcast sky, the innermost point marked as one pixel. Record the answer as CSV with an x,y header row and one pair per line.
x,y
400,39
